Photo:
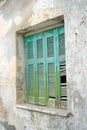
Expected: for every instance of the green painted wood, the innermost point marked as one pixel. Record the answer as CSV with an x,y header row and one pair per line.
x,y
63,81
51,80
31,82
35,71
46,58
57,67
51,77
45,67
62,45
27,81
30,50
40,67
50,46
40,48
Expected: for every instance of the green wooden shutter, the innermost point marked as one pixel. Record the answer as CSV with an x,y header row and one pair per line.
x,y
40,68
30,72
51,66
63,87
46,68
29,69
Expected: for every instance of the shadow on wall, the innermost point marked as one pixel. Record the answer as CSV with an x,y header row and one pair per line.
x,y
3,115
6,126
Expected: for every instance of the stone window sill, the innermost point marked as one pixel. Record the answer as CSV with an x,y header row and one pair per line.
x,y
46,110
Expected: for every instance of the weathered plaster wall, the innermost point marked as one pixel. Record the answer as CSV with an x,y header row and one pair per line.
x,y
11,15
76,51
16,14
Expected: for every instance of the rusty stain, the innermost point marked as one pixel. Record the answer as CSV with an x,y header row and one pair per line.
x,y
69,115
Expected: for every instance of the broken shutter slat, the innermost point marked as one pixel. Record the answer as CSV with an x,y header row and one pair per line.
x,y
63,81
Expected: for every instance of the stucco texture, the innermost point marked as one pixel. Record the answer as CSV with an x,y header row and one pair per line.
x,y
15,15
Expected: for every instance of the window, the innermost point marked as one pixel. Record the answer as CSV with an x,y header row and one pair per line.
x,y
46,68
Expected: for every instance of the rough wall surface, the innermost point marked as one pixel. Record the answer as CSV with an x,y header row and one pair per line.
x,y
15,14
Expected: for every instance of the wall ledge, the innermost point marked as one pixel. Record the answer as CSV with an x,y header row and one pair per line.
x,y
46,110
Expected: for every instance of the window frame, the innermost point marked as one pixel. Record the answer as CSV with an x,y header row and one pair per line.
x,y
28,29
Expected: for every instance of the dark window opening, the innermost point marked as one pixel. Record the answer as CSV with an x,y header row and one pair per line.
x,y
63,79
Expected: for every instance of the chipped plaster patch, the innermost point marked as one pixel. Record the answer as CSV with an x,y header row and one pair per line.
x,y
12,66
46,4
42,15
2,51
43,10
43,4
17,20
4,26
